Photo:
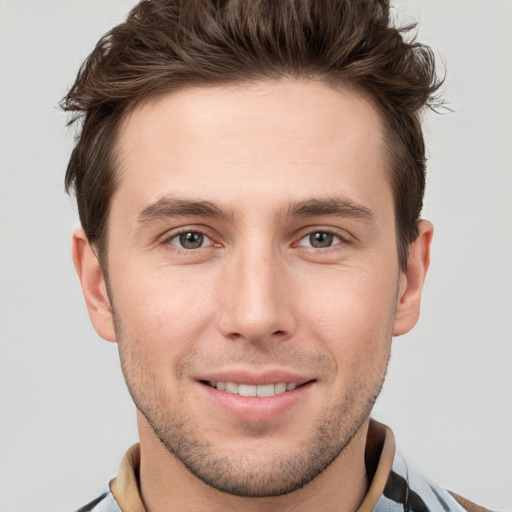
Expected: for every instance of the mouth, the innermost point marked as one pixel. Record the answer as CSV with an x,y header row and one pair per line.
x,y
257,398
255,390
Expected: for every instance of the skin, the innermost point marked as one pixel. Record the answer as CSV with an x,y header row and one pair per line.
x,y
259,296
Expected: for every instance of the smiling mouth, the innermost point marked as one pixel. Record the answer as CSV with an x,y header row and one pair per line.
x,y
259,390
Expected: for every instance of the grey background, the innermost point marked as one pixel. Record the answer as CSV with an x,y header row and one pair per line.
x,y
65,417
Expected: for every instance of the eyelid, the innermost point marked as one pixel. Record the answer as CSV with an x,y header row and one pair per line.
x,y
344,236
166,238
206,239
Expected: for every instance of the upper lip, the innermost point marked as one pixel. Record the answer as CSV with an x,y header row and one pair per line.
x,y
241,376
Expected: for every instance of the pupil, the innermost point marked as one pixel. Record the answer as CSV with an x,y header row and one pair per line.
x,y
321,239
191,240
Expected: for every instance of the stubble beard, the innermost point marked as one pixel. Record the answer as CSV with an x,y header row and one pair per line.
x,y
250,474
268,474
258,475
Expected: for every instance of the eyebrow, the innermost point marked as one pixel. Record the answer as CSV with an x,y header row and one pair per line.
x,y
168,207
176,207
331,206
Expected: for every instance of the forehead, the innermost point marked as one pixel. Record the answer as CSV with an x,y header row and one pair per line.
x,y
251,139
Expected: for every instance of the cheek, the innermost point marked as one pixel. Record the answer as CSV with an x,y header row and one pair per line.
x,y
352,313
163,311
351,295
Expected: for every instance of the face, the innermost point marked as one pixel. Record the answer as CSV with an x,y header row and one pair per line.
x,y
254,277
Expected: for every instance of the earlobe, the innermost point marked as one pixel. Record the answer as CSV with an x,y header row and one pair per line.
x,y
93,286
411,281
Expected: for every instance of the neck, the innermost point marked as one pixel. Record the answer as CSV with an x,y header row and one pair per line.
x,y
167,485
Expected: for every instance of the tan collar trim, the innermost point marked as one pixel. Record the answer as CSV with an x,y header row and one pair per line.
x,y
381,442
380,446
125,487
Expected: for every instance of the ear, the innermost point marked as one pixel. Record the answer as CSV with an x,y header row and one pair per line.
x,y
93,286
411,281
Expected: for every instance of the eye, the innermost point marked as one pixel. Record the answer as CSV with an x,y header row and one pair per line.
x,y
320,240
190,240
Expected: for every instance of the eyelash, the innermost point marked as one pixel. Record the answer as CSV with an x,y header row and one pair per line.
x,y
342,240
168,240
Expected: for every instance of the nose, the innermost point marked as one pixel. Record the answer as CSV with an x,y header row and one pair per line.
x,y
256,302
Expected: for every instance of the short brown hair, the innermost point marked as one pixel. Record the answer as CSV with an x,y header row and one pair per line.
x,y
166,45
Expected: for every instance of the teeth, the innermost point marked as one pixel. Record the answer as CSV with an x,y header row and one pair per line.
x,y
266,390
247,390
261,390
280,388
232,387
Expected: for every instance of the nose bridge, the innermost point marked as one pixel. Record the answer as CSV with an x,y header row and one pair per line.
x,y
255,304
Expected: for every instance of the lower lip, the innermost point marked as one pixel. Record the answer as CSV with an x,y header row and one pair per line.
x,y
257,409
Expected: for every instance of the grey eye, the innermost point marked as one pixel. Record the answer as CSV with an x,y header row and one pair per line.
x,y
190,240
321,239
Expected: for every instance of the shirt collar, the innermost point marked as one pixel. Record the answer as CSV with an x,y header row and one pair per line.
x,y
379,455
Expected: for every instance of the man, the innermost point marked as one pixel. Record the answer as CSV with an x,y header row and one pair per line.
x,y
249,178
